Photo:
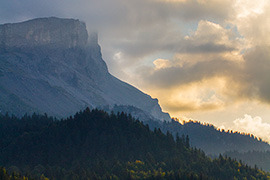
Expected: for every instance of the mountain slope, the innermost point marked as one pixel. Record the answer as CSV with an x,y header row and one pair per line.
x,y
96,145
211,140
204,136
50,65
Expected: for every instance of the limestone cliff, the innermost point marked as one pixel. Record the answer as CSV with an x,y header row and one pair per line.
x,y
50,32
49,65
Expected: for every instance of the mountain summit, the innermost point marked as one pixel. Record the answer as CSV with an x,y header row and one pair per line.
x,y
50,32
50,65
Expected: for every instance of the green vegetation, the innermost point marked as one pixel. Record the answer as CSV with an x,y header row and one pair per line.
x,y
259,158
4,175
97,145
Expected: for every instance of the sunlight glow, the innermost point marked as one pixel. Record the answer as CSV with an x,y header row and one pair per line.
x,y
248,7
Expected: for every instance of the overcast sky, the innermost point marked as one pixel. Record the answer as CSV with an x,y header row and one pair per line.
x,y
207,60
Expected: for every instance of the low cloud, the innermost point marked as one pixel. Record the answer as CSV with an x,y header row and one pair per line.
x,y
194,104
253,125
199,96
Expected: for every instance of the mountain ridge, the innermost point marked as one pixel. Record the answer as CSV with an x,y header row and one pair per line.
x,y
52,66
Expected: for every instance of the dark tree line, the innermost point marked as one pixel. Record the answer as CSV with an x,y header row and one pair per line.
x,y
93,144
261,159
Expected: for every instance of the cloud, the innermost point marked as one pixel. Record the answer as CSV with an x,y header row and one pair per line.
x,y
253,125
208,52
162,63
246,78
200,9
213,51
210,38
182,75
193,100
252,21
198,96
257,73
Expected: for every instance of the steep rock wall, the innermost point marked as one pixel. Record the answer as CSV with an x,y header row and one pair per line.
x,y
49,65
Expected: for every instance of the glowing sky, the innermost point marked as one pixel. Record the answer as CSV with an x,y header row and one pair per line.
x,y
207,60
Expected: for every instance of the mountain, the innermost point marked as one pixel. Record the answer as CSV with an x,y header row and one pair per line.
x,y
50,65
96,145
211,140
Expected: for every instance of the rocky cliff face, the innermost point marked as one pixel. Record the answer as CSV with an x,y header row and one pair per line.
x,y
49,65
50,32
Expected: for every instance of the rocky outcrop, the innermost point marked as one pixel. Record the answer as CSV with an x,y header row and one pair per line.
x,y
50,32
48,65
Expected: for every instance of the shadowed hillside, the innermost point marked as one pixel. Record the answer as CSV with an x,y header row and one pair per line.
x,y
97,145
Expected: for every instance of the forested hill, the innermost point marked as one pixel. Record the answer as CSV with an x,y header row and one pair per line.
x,y
204,136
96,145
213,141
259,158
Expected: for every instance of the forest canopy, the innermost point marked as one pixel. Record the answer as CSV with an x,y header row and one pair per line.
x,y
93,144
